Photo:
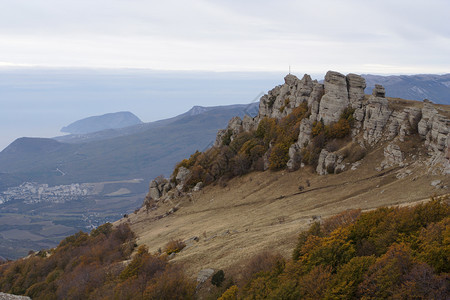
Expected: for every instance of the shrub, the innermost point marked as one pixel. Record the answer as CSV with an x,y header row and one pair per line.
x,y
218,278
317,128
226,138
174,246
279,156
230,293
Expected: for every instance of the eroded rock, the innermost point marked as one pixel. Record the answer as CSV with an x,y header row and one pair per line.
x,y
335,99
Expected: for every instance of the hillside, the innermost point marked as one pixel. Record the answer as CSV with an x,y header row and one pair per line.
x,y
141,151
324,148
235,216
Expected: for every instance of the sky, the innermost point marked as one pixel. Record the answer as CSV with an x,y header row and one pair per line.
x,y
359,36
63,60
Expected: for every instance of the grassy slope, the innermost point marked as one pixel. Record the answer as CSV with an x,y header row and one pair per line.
x,y
266,211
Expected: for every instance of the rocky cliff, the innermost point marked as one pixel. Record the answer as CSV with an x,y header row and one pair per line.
x,y
377,119
406,132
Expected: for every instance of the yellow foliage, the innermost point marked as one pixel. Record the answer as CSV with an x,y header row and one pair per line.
x,y
230,294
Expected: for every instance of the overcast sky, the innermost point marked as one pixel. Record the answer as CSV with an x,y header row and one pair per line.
x,y
382,36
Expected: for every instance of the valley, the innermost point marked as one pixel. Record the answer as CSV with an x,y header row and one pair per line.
x,y
36,216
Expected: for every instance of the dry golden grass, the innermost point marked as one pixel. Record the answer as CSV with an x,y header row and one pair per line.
x,y
266,210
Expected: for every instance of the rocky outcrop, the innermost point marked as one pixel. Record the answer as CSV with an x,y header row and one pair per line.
x,y
376,116
403,123
154,191
392,156
182,175
356,85
235,126
159,187
335,99
329,163
281,100
434,128
4,296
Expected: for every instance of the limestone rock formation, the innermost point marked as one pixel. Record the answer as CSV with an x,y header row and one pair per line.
x,y
235,126
154,192
335,99
377,114
182,175
392,156
329,163
356,85
375,119
4,296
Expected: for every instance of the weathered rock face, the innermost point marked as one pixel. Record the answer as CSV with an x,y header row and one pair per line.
x,y
182,175
154,192
4,296
335,99
294,157
379,91
159,187
375,120
329,163
434,128
281,100
198,187
376,116
249,123
304,135
235,126
356,85
403,123
392,156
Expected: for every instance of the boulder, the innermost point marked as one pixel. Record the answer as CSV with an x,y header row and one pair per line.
x,y
183,175
290,79
4,296
204,274
379,91
392,156
198,187
154,191
329,163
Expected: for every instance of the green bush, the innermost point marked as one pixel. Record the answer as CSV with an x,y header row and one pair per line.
x,y
218,278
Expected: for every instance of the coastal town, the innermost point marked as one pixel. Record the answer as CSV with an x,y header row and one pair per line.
x,y
32,192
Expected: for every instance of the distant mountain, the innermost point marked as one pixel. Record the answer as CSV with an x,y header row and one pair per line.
x,y
106,121
141,151
251,109
414,87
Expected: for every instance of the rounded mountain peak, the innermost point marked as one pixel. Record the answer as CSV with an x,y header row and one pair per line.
x,y
98,123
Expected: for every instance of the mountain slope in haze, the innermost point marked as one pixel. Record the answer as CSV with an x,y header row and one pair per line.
x,y
415,87
142,151
106,121
251,109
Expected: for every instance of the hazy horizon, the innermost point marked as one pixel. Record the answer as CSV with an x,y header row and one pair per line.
x,y
38,102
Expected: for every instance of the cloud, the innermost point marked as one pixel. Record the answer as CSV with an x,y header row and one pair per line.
x,y
227,35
